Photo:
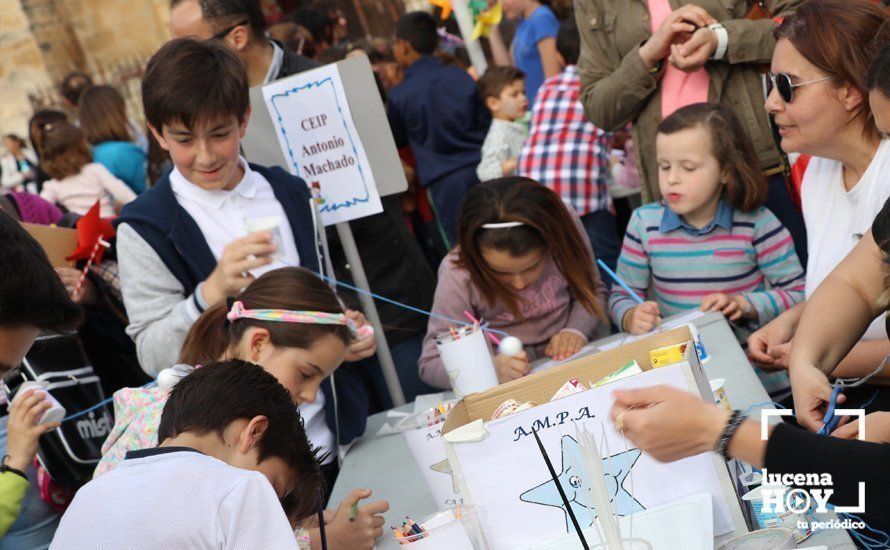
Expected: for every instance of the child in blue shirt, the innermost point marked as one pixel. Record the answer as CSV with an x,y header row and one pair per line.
x,y
438,112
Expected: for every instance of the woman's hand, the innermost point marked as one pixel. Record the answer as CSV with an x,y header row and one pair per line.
x,y
564,344
676,27
668,423
812,392
510,367
23,432
642,318
70,277
732,306
363,347
694,53
767,346
360,532
877,428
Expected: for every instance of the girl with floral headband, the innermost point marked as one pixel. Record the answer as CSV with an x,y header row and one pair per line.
x,y
523,262
290,323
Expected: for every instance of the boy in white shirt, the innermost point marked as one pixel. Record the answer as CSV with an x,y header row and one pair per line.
x,y
232,447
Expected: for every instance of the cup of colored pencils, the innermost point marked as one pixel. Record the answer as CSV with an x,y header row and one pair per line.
x,y
440,530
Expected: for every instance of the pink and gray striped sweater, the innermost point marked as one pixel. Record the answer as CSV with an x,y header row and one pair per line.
x,y
748,253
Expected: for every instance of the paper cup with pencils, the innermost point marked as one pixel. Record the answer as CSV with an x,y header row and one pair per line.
x,y
441,530
467,359
423,433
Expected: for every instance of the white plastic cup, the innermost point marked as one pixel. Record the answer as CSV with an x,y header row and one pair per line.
x,y
272,224
54,414
467,360
428,450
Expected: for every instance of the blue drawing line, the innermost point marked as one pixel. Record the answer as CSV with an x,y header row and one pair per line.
x,y
329,207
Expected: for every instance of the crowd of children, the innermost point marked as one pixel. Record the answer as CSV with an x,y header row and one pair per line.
x,y
266,376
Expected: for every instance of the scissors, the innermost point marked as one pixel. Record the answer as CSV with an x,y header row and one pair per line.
x,y
830,421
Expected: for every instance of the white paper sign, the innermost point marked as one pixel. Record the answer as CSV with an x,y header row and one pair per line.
x,y
320,143
517,502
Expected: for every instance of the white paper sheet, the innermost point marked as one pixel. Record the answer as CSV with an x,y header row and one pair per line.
x,y
511,488
321,144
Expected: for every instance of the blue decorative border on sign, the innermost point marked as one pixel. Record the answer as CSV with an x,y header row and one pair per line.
x,y
328,207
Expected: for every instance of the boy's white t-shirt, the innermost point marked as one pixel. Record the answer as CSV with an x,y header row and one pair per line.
x,y
221,216
175,498
836,218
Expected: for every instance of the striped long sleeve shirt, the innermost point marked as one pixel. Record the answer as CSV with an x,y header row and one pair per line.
x,y
677,265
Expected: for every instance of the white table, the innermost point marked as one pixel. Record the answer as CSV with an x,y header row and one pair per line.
x,y
385,465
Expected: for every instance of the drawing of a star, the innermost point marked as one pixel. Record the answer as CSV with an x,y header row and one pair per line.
x,y
616,467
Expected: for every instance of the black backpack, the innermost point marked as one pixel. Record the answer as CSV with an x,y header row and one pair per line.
x,y
71,452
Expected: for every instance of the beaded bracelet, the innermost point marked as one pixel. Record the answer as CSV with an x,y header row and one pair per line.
x,y
735,420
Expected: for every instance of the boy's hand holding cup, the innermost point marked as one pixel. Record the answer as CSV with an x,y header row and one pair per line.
x,y
232,273
642,319
32,413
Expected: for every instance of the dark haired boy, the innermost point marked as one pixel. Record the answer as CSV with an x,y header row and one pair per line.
x,y
232,447
184,245
32,297
32,300
438,112
503,91
568,154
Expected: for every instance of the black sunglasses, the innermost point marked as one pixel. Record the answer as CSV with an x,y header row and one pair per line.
x,y
225,32
783,83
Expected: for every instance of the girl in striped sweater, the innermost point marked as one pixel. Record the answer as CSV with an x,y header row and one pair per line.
x,y
710,243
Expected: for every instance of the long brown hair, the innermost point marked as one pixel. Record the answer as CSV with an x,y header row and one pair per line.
x,y
64,150
746,186
839,37
103,115
547,225
292,288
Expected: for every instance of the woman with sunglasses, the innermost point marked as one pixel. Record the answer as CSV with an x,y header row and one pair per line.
x,y
670,424
641,61
819,100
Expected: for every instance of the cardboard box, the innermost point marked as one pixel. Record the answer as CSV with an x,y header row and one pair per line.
x,y
57,242
501,475
540,386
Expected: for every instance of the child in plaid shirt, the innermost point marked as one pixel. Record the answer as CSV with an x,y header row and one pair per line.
x,y
503,92
568,154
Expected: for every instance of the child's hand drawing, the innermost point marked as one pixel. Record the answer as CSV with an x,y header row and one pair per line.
x,y
563,345
642,318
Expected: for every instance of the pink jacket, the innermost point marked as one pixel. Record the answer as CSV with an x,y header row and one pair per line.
x,y
547,306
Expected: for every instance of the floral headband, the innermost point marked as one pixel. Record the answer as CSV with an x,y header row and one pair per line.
x,y
237,311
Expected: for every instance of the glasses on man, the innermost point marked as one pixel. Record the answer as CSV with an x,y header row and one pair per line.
x,y
783,83
225,32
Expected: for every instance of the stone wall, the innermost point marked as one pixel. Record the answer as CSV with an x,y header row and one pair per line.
x,y
42,40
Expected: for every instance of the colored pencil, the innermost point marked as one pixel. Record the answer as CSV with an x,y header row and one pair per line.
x,y
494,339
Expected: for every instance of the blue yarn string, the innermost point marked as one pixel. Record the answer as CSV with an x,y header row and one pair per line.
x,y
405,306
100,404
344,285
